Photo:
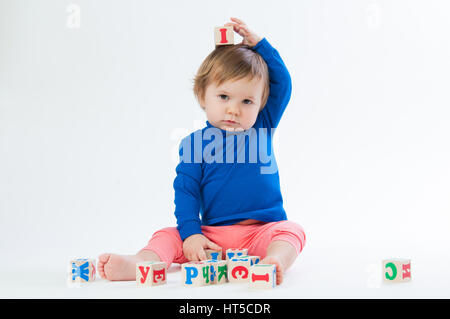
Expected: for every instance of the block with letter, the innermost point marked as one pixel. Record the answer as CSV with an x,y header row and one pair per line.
x,y
195,273
235,252
213,254
151,273
82,270
253,259
396,270
239,268
222,272
224,35
263,276
217,271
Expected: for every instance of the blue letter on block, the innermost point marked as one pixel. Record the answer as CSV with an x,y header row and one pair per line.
x,y
215,256
81,271
191,272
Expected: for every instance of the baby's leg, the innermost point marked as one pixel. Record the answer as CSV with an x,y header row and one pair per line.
x,y
280,243
282,255
165,245
122,267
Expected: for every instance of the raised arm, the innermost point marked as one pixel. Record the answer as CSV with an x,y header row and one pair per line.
x,y
279,77
280,83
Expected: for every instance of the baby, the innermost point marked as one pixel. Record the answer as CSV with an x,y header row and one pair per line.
x,y
224,196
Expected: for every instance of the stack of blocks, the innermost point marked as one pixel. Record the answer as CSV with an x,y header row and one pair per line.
x,y
234,252
82,270
203,273
238,267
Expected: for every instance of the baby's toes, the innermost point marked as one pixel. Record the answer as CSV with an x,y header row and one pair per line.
x,y
102,260
278,266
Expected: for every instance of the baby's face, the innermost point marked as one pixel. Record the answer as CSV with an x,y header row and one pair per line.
x,y
234,105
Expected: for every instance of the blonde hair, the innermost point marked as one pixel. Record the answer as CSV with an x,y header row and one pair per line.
x,y
231,62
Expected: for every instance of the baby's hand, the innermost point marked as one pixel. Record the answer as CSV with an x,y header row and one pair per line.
x,y
250,38
194,245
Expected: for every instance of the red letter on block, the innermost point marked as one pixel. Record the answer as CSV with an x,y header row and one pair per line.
x,y
260,277
406,271
144,273
241,270
159,274
223,36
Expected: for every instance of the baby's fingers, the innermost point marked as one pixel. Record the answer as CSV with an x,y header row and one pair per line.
x,y
236,27
241,30
202,255
190,256
213,245
238,21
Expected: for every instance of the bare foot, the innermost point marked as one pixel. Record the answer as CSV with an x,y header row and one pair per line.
x,y
122,267
273,260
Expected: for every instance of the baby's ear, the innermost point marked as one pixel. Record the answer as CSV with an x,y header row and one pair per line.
x,y
201,102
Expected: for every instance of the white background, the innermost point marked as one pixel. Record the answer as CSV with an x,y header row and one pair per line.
x,y
95,96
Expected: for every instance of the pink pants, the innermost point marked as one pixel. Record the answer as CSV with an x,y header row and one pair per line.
x,y
167,244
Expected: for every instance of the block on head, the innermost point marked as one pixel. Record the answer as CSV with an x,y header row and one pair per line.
x,y
224,35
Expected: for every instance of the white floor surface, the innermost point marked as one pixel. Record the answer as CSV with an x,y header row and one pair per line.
x,y
312,276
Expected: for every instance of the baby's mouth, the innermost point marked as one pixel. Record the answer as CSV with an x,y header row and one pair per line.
x,y
232,128
230,122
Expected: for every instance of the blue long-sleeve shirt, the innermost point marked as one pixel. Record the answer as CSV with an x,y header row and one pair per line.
x,y
226,177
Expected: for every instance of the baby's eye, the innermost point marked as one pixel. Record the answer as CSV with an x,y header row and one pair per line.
x,y
223,97
246,101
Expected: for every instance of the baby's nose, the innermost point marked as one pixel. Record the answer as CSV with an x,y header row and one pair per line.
x,y
233,110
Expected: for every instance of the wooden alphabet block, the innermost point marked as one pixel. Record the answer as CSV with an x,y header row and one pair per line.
x,y
396,270
150,273
239,268
217,271
213,254
222,272
253,259
82,270
235,252
195,273
224,35
263,276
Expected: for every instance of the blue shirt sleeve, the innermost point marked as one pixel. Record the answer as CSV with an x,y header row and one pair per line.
x,y
280,83
187,192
